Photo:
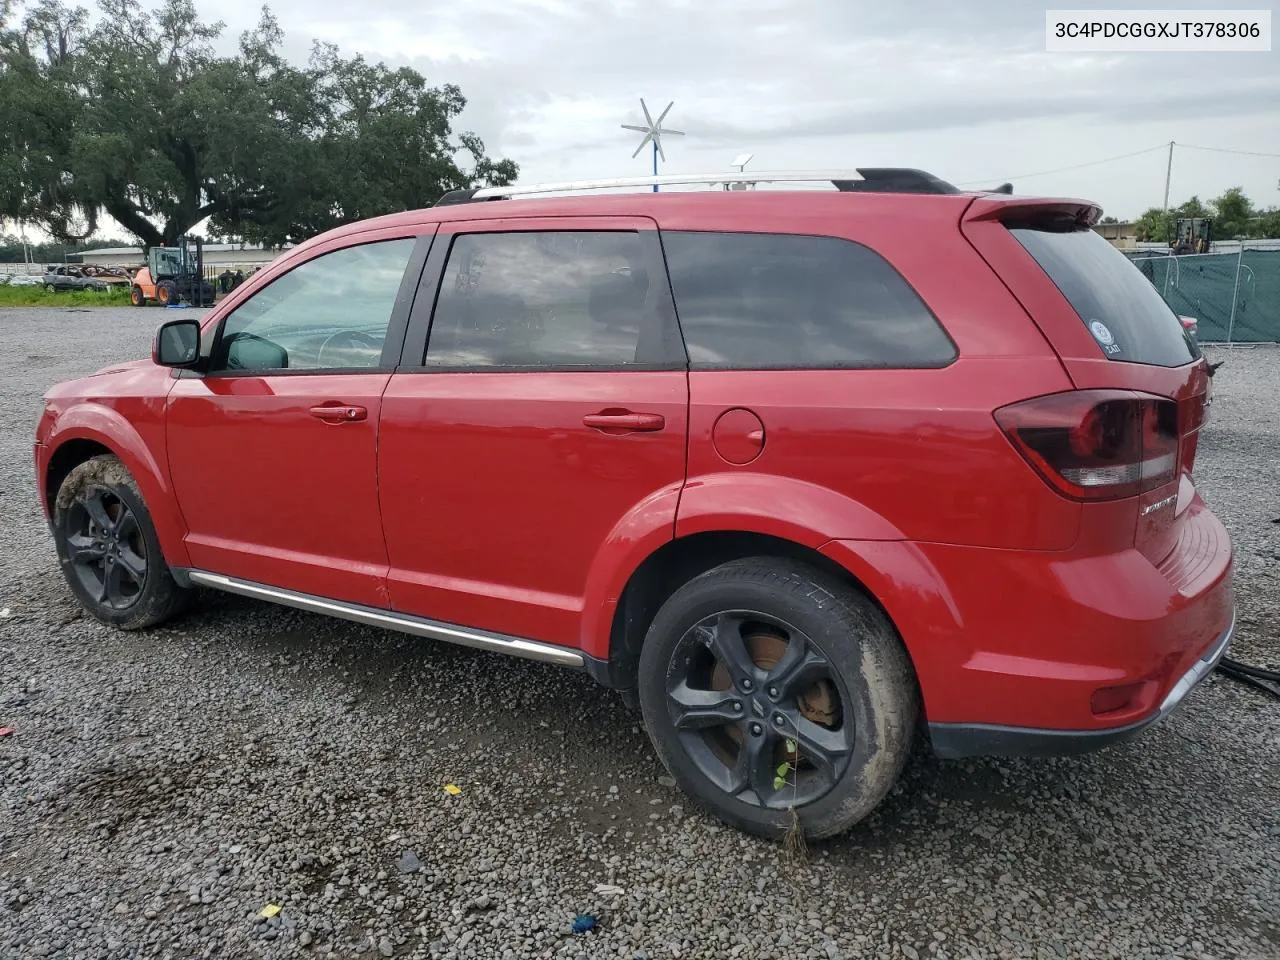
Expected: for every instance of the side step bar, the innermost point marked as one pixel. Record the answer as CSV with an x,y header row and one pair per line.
x,y
373,617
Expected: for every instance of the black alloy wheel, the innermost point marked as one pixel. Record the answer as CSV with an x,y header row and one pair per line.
x,y
759,709
106,547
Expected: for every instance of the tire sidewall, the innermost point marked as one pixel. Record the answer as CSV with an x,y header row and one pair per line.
x,y
107,473
838,631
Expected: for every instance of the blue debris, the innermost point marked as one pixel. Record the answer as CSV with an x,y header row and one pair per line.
x,y
583,922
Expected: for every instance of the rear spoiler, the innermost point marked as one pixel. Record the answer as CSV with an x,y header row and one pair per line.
x,y
1033,209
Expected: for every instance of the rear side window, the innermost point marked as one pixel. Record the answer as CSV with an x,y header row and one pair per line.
x,y
1125,314
759,301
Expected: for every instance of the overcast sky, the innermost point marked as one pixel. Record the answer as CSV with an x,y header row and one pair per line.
x,y
961,88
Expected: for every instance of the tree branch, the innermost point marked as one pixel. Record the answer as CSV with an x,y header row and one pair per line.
x,y
131,218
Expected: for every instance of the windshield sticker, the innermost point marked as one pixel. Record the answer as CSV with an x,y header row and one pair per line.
x,y
1103,335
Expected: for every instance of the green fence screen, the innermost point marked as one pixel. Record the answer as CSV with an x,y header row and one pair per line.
x,y
1235,297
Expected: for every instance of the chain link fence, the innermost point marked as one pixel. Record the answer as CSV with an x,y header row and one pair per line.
x,y
1234,296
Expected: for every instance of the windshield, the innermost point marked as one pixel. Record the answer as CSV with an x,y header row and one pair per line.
x,y
1125,314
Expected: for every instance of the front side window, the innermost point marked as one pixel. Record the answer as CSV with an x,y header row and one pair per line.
x,y
329,313
759,301
575,299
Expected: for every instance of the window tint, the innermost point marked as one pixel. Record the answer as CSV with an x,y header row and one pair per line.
x,y
571,298
1125,314
329,313
773,301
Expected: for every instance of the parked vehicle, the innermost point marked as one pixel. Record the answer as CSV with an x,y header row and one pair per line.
x,y
798,471
20,280
173,275
61,278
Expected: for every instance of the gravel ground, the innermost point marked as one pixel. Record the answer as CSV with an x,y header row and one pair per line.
x,y
159,790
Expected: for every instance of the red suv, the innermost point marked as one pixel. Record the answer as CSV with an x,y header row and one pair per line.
x,y
796,470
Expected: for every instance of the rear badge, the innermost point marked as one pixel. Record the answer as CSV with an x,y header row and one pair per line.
x,y
1160,504
1103,335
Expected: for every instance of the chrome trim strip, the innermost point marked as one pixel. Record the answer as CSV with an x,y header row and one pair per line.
x,y
1199,670
417,626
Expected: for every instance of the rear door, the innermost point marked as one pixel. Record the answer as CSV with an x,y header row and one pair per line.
x,y
1109,326
544,420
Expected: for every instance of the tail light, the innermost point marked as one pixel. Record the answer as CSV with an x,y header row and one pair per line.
x,y
1096,444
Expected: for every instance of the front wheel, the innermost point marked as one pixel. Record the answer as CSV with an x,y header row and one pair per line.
x,y
108,549
776,695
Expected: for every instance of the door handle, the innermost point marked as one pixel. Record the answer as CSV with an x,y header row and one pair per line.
x,y
339,412
625,421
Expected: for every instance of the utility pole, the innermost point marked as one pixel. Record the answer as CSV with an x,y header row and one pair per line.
x,y
1168,177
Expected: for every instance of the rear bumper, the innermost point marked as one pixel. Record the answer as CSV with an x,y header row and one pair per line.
x,y
1036,646
954,740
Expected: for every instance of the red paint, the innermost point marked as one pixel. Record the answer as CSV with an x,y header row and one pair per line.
x,y
499,497
738,436
272,493
523,502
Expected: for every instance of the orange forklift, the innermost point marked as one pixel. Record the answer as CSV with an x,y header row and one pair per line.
x,y
173,275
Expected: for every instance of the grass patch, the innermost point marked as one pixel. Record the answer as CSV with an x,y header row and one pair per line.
x,y
40,297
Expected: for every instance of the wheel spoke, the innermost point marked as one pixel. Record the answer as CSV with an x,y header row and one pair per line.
x,y
800,667
97,511
134,566
113,586
698,709
823,747
84,549
126,524
726,643
753,770
98,578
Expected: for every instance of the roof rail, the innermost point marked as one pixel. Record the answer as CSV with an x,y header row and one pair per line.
x,y
863,179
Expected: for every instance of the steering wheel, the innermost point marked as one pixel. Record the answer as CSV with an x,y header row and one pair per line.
x,y
347,338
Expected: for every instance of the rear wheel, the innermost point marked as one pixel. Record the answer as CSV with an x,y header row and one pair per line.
x,y
136,297
108,549
776,695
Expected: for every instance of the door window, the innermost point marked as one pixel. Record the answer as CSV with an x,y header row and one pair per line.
x,y
331,312
560,299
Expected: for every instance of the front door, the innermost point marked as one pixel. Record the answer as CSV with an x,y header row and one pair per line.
x,y
548,414
273,449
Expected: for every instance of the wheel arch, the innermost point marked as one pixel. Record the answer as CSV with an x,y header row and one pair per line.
x,y
91,430
679,560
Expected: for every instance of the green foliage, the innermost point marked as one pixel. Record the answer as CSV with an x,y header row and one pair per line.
x,y
40,297
1234,218
1232,215
136,116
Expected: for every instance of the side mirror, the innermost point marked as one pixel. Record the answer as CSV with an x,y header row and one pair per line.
x,y
177,343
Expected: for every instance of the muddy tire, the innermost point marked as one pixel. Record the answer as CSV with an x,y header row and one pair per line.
x,y
779,698
136,298
108,550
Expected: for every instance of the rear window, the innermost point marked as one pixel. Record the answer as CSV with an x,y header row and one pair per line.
x,y
759,301
1121,309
